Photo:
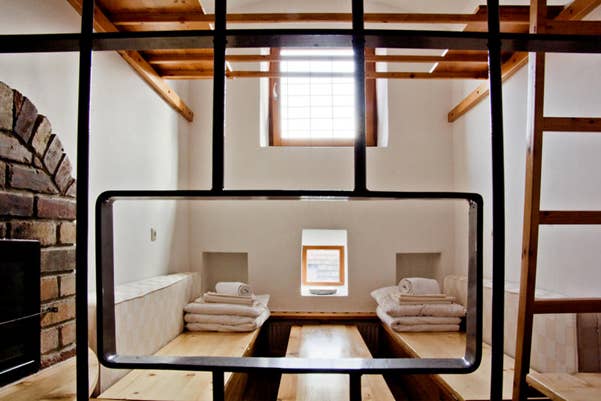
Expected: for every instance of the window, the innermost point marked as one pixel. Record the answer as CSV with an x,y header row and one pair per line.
x,y
323,265
313,103
324,262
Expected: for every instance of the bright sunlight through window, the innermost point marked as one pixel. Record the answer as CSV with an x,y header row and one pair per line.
x,y
319,103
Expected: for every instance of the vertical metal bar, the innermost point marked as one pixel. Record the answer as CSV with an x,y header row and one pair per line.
x,y
355,387
83,168
219,43
359,55
218,385
474,294
105,280
498,199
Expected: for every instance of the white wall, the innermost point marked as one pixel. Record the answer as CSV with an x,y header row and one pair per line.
x,y
568,256
270,233
135,136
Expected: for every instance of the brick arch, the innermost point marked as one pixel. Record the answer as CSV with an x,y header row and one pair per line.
x,y
37,201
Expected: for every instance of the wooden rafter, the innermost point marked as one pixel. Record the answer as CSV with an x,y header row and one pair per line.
x,y
572,12
252,58
208,74
140,65
141,18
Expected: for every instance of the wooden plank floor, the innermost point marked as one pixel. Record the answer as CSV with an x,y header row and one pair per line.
x,y
328,341
170,385
56,383
566,386
474,386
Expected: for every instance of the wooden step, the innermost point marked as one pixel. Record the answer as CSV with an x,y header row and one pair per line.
x,y
572,124
569,217
567,305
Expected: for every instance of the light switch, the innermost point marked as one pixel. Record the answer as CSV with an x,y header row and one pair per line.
x,y
153,234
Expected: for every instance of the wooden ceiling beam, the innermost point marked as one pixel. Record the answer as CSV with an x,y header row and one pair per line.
x,y
572,12
141,18
166,59
141,66
208,74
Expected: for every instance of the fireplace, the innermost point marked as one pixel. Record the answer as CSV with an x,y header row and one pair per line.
x,y
19,309
37,202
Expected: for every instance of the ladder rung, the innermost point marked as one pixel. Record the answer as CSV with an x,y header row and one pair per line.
x,y
572,124
569,217
567,305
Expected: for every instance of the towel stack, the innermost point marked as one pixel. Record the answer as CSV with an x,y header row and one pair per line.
x,y
232,307
417,304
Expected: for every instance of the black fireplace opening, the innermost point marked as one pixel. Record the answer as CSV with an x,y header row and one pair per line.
x,y
19,309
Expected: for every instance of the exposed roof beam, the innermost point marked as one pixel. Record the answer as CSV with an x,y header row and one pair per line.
x,y
572,12
141,66
141,18
207,74
167,59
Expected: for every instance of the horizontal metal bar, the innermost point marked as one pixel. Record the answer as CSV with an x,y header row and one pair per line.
x,y
567,305
569,217
248,38
111,196
293,365
46,43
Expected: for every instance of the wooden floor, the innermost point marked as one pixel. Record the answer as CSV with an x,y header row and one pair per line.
x,y
56,383
169,385
474,386
566,386
328,341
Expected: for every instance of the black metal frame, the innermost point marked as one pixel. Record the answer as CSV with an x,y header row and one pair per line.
x,y
87,41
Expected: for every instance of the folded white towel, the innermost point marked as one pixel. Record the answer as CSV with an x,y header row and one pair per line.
x,y
419,286
399,324
255,324
233,288
201,307
218,319
426,299
216,297
396,309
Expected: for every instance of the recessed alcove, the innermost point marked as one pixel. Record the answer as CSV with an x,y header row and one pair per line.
x,y
418,264
223,266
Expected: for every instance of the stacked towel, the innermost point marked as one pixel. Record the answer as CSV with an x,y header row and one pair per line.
x,y
233,288
422,310
225,311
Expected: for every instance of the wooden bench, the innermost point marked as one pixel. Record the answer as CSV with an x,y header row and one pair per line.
x,y
474,386
328,341
56,383
566,386
171,385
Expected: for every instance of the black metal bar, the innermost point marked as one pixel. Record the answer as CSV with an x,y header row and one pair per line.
x,y
218,385
405,39
355,386
83,175
474,296
359,55
498,201
219,95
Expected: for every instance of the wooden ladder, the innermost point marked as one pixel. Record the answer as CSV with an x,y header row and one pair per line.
x,y
538,124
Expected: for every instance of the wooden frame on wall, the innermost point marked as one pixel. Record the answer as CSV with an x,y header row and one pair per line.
x,y
371,109
332,259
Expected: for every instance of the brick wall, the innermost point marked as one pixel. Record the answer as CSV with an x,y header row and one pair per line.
x,y
37,201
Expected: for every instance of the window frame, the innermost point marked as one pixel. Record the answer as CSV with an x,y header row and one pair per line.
x,y
371,109
341,264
